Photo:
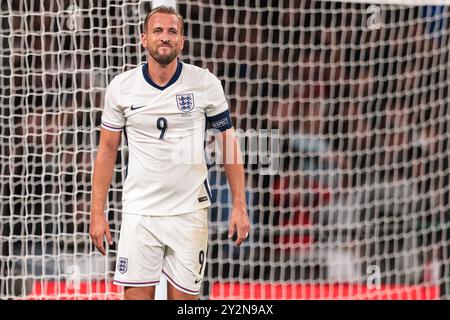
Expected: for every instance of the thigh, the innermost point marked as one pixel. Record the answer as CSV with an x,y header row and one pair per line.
x,y
185,256
173,293
139,293
140,254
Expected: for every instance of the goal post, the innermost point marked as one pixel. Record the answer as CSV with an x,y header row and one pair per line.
x,y
341,110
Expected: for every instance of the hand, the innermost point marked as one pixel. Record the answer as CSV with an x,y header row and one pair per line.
x,y
239,222
98,229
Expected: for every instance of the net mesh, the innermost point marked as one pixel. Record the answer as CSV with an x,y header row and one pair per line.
x,y
359,205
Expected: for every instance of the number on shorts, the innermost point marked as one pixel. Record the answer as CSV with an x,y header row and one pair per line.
x,y
201,259
161,124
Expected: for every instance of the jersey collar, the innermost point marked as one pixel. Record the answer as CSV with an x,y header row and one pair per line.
x,y
171,81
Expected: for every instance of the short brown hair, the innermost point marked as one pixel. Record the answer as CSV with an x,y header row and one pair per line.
x,y
165,10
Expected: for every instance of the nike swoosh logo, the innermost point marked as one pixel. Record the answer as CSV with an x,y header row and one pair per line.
x,y
133,107
197,281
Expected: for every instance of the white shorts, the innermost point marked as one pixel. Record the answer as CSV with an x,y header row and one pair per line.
x,y
172,245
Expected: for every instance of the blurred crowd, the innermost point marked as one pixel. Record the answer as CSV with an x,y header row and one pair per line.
x,y
361,111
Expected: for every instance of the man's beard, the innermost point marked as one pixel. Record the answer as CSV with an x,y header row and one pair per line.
x,y
163,59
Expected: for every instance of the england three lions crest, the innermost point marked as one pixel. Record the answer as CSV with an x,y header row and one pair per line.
x,y
185,102
122,265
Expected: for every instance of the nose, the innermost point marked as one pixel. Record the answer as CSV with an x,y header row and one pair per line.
x,y
165,37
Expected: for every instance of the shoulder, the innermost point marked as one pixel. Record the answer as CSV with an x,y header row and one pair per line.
x,y
202,74
193,69
124,81
128,76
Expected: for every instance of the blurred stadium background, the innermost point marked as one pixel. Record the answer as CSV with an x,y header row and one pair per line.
x,y
359,91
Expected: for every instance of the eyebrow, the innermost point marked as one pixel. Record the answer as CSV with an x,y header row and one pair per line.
x,y
157,28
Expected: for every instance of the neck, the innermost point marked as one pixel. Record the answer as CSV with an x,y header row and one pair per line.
x,y
161,74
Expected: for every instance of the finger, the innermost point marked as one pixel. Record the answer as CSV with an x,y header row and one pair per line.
x,y
242,234
100,246
108,236
240,239
231,230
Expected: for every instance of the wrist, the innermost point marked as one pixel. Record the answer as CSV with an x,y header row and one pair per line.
x,y
239,202
97,211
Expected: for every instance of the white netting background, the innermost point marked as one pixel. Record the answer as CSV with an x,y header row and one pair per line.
x,y
359,93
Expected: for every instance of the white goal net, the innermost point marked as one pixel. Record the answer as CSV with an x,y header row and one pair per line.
x,y
357,92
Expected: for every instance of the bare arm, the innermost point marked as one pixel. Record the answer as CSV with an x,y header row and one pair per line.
x,y
234,169
101,180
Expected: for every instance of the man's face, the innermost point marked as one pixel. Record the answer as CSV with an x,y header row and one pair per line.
x,y
163,38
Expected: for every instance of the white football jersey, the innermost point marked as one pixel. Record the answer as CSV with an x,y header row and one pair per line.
x,y
165,130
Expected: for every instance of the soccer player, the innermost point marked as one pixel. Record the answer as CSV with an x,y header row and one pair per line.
x,y
163,106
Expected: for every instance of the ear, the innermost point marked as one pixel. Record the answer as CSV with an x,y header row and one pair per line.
x,y
144,40
183,39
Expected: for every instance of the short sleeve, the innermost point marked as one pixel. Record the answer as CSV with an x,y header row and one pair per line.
x,y
113,117
215,97
217,113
